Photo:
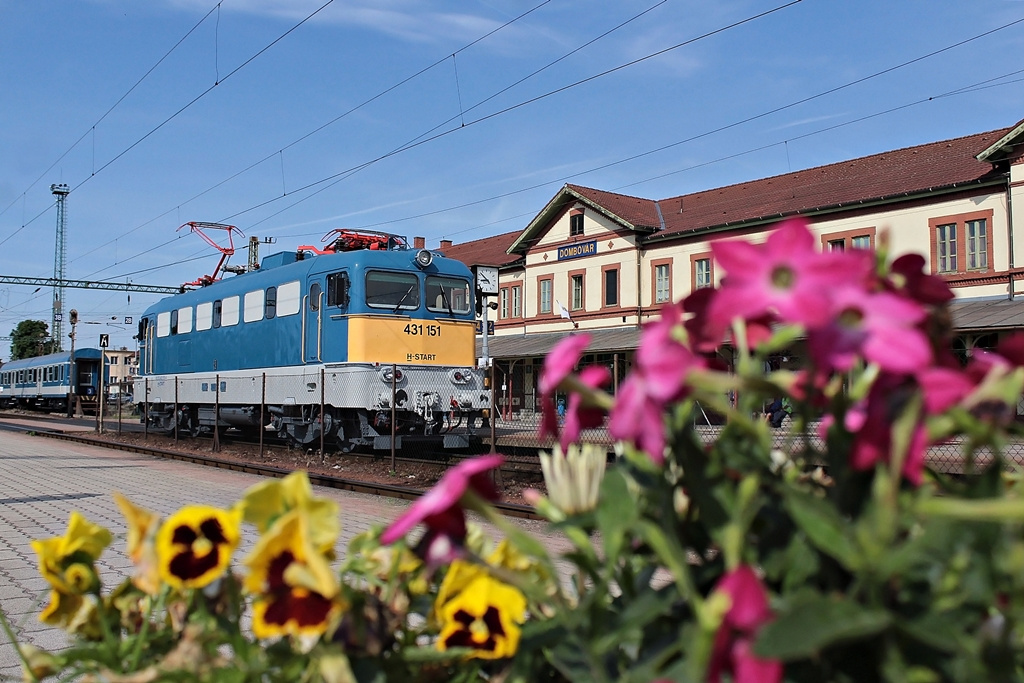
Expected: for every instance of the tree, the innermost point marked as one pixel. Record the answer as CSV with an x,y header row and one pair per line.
x,y
29,339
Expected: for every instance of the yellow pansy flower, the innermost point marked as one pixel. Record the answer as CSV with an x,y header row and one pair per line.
x,y
66,562
294,583
194,545
265,503
484,616
141,543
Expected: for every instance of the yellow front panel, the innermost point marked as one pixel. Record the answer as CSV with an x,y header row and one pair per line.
x,y
384,339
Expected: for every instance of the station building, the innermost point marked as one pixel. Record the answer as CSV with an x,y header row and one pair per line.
x,y
604,263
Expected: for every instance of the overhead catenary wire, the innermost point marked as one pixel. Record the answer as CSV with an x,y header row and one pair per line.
x,y
801,101
177,113
364,103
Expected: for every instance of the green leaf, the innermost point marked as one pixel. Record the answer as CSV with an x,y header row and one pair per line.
x,y
814,624
826,529
616,513
983,510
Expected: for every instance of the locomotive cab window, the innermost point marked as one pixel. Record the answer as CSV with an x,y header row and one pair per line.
x,y
315,292
270,305
392,290
448,295
337,289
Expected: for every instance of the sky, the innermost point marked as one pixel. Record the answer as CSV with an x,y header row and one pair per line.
x,y
444,119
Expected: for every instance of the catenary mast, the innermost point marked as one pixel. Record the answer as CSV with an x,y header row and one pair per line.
x,y
61,192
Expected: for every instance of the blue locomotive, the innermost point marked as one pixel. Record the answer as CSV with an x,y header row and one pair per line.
x,y
46,382
364,339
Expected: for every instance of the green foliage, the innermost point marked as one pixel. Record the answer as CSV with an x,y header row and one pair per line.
x,y
29,339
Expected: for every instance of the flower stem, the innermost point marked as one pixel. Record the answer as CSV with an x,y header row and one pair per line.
x,y
14,641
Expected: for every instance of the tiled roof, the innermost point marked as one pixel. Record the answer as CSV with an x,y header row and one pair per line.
x,y
636,211
889,174
992,314
490,251
534,345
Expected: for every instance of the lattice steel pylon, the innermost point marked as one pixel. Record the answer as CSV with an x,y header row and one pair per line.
x,y
61,192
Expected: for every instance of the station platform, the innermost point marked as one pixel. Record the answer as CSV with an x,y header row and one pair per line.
x,y
44,480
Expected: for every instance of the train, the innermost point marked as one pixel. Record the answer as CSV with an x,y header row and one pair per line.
x,y
46,382
367,343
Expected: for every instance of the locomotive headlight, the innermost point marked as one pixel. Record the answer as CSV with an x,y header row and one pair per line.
x,y
460,376
424,258
386,373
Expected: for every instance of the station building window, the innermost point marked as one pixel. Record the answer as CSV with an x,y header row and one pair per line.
x,y
702,270
662,279
576,222
859,238
544,289
577,298
961,243
610,286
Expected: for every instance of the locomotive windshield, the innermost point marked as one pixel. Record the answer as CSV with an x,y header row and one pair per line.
x,y
392,290
447,295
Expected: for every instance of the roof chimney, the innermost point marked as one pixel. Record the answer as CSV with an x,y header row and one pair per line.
x,y
446,244
419,242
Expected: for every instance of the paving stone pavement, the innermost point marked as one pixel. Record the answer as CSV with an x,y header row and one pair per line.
x,y
43,480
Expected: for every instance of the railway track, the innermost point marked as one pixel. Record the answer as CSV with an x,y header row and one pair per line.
x,y
259,469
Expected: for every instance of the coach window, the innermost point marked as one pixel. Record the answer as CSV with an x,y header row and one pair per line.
x,y
174,321
185,320
289,298
218,312
163,324
447,294
337,289
252,306
392,290
315,291
204,316
270,304
229,311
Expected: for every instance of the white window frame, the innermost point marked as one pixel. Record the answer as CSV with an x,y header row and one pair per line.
x,y
253,306
185,320
163,324
204,316
289,299
662,283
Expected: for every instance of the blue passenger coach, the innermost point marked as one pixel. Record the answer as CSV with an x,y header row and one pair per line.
x,y
311,328
44,382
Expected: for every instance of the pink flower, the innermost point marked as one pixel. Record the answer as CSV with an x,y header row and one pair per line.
x,y
871,423
662,359
561,361
786,275
637,418
581,416
663,364
881,327
922,287
559,364
440,509
748,612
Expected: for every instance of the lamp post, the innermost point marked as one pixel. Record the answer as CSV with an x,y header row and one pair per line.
x,y
72,373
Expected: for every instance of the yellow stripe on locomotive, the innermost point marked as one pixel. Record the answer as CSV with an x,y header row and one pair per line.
x,y
403,340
